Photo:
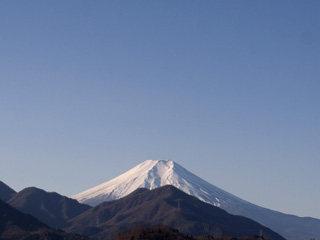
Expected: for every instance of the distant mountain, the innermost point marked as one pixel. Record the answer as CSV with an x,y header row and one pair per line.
x,y
166,206
5,192
15,225
152,174
50,208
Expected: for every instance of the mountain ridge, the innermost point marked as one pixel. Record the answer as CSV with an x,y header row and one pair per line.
x,y
6,192
50,208
155,173
167,206
151,174
16,225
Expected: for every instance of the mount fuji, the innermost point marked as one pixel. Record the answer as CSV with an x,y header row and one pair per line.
x,y
152,174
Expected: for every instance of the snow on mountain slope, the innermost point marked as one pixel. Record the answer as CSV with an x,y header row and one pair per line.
x,y
155,173
152,174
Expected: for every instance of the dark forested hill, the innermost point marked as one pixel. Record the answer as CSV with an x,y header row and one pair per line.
x,y
15,225
5,192
51,208
166,206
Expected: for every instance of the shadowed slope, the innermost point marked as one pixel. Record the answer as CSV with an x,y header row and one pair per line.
x,y
166,206
50,208
156,173
15,225
6,192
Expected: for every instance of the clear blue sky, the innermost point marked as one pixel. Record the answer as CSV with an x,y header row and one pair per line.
x,y
228,89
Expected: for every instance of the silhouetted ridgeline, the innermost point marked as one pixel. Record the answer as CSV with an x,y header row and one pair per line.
x,y
182,214
15,225
166,206
5,192
50,208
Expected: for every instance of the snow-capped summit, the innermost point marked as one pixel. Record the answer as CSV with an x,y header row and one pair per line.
x,y
152,174
155,173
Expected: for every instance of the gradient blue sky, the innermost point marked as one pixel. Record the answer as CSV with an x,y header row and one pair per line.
x,y
227,89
